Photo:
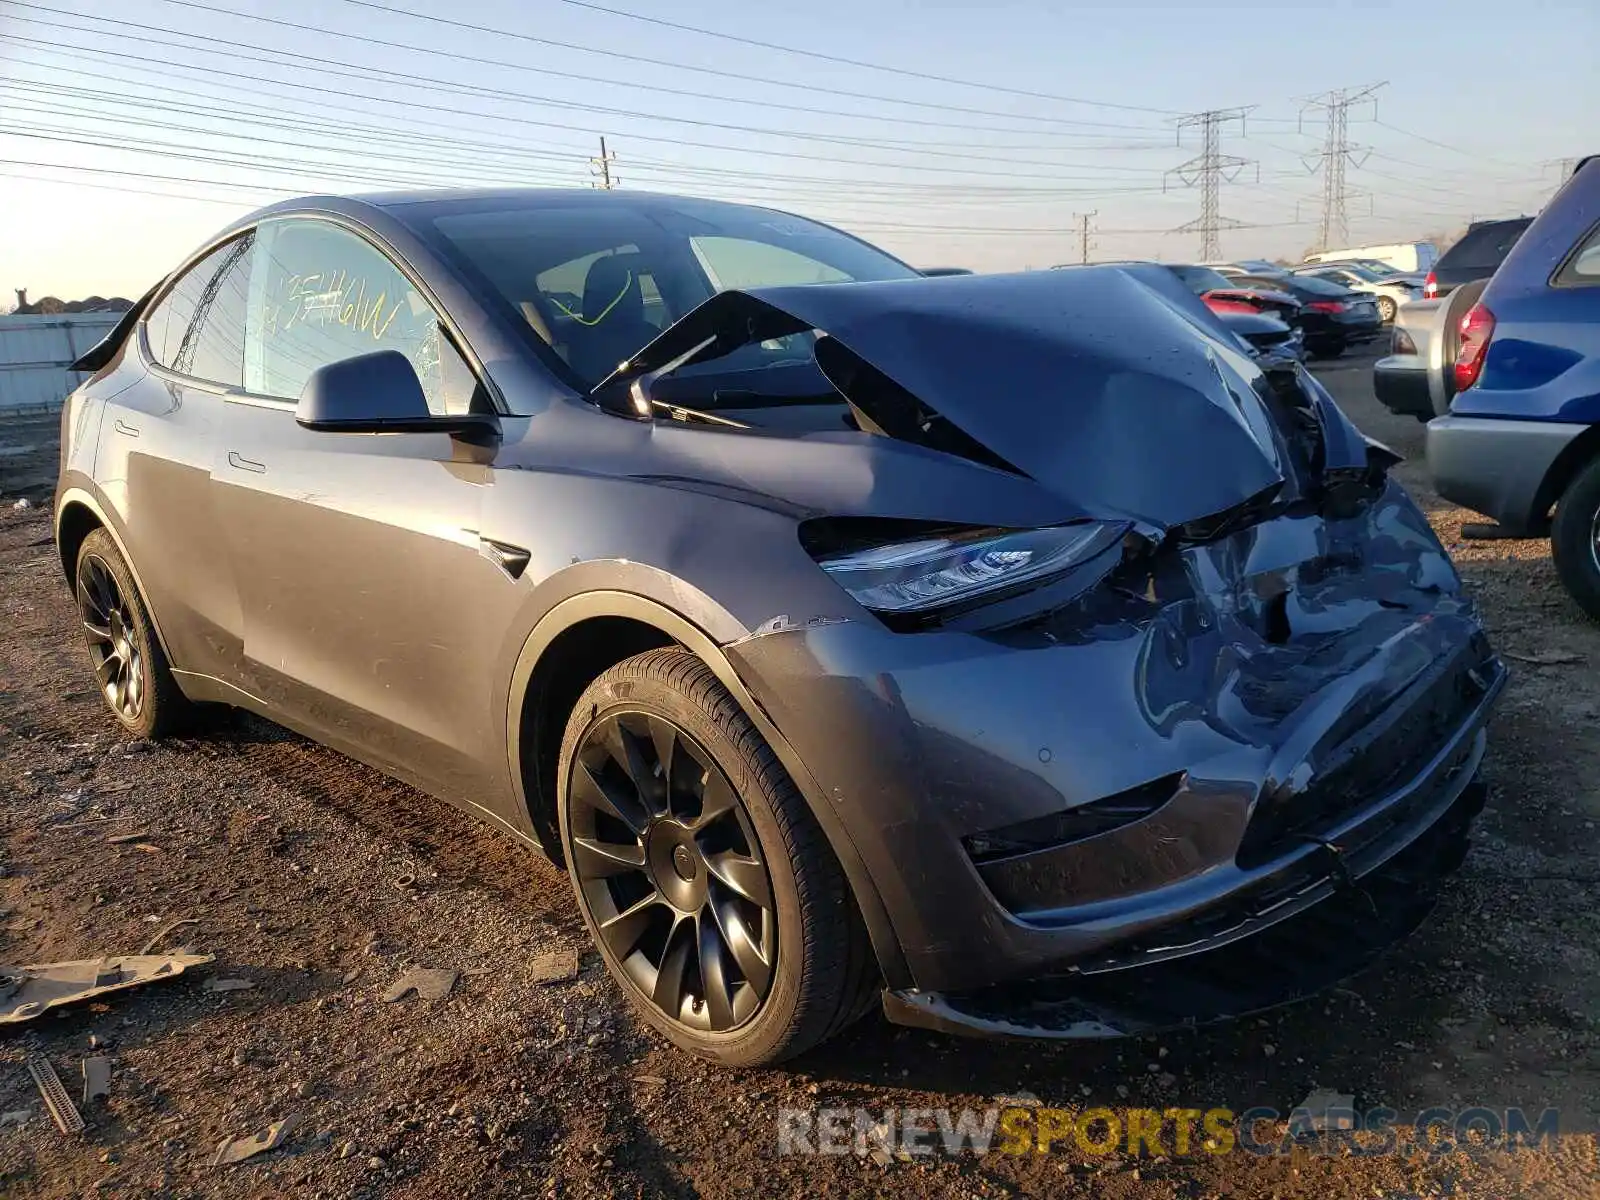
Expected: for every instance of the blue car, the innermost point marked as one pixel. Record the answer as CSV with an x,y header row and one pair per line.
x,y
1522,437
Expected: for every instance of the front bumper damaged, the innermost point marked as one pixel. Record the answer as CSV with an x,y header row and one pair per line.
x,y
1301,931
1306,697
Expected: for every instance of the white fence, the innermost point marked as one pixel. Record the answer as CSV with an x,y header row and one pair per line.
x,y
36,352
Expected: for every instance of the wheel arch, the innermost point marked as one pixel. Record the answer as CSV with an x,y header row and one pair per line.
x,y
577,640
78,514
1574,457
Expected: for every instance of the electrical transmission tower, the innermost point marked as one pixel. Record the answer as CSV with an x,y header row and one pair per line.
x,y
1337,152
600,168
1084,245
1207,170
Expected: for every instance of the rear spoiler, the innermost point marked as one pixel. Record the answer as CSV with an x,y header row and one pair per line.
x,y
107,347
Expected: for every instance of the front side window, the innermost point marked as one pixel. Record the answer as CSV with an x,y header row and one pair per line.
x,y
321,294
197,329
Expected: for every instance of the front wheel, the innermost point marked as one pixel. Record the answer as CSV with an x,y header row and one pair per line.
x,y
1575,540
1386,310
702,875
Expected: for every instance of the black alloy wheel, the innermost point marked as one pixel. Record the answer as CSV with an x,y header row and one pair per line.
x,y
109,624
670,868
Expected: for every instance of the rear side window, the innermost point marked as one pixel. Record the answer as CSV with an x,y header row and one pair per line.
x,y
198,327
321,294
1485,247
1583,268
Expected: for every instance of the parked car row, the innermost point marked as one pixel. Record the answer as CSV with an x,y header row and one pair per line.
x,y
1521,440
1332,317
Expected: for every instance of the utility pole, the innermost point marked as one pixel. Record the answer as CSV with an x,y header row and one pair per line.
x,y
1564,169
1337,152
1083,233
1207,170
600,168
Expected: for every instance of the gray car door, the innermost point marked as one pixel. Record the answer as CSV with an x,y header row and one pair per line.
x,y
158,440
372,617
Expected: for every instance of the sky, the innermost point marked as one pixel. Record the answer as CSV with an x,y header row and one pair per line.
x,y
953,134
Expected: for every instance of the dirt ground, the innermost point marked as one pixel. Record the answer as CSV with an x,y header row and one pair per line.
x,y
320,881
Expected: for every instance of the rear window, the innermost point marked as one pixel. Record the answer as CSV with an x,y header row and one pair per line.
x,y
1319,287
1485,247
1583,268
1203,279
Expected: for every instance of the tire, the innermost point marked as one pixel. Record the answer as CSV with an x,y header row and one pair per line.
x,y
1326,349
135,679
1387,309
1572,540
814,959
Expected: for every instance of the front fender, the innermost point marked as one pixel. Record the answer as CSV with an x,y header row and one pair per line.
x,y
702,641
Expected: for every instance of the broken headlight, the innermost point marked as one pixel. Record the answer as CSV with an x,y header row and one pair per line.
x,y
940,571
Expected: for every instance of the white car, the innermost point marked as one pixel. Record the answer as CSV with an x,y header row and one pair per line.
x,y
1389,293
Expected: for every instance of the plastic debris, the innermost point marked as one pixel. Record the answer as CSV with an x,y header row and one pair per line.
x,y
27,991
236,1150
96,1079
62,1111
428,983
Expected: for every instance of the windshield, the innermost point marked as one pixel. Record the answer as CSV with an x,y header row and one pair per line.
x,y
597,278
1201,280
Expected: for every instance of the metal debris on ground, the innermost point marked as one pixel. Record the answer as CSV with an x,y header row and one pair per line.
x,y
427,982
558,966
226,985
62,1111
96,1079
235,1150
1544,658
1323,1111
124,838
27,991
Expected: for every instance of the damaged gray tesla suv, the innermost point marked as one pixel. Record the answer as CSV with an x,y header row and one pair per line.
x,y
1013,648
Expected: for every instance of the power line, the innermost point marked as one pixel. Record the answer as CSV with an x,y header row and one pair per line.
x,y
1207,170
656,62
1337,151
280,119
850,62
477,60
325,67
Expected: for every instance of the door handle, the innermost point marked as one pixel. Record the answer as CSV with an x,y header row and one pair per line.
x,y
122,426
235,459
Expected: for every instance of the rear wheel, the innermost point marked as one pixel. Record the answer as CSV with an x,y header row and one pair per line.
x,y
1575,540
1386,310
1325,349
705,881
129,665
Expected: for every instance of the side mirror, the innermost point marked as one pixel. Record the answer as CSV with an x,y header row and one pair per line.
x,y
375,393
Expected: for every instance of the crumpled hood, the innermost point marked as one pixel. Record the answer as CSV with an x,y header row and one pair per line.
x,y
1110,386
